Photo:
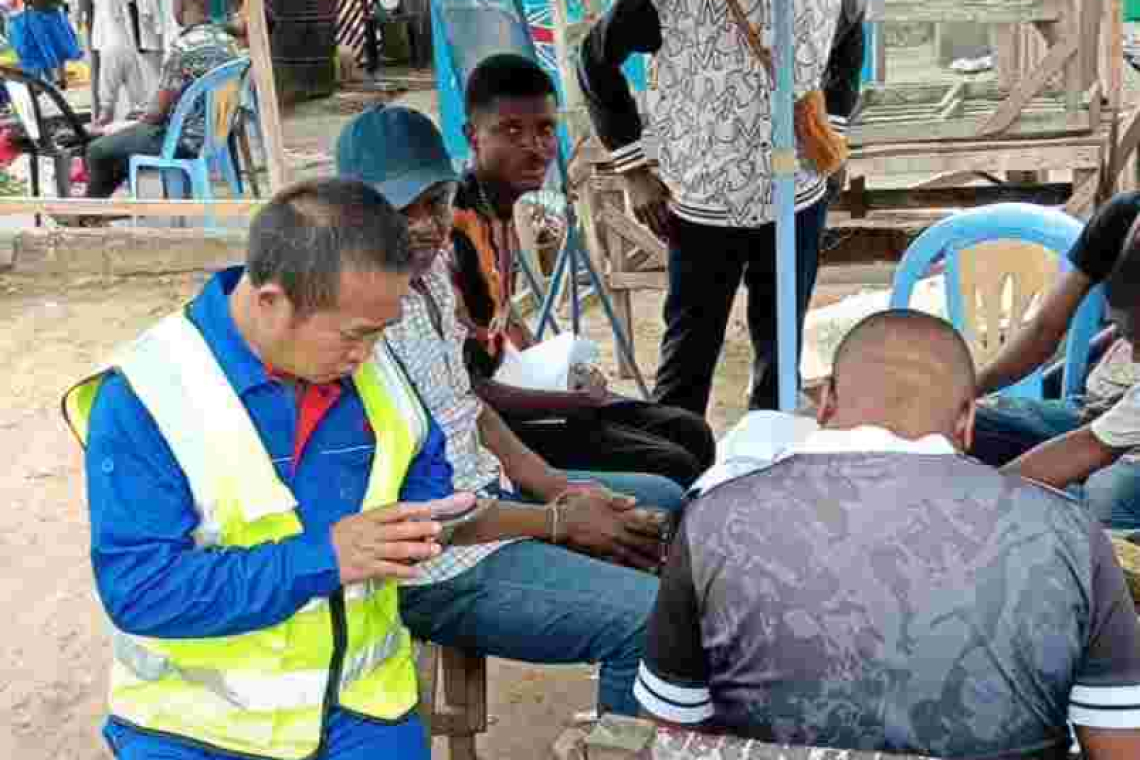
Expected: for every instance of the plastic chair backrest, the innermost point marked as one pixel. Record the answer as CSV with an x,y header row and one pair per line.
x,y
221,90
1048,228
25,91
999,282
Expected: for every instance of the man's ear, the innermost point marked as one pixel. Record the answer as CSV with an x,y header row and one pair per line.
x,y
272,304
828,403
472,136
964,427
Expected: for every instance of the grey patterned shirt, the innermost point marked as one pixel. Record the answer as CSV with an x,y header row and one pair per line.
x,y
892,601
197,51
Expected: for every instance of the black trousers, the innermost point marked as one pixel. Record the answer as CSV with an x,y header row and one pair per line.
x,y
706,266
625,436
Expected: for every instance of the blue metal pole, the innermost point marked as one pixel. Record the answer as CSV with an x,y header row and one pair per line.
x,y
784,172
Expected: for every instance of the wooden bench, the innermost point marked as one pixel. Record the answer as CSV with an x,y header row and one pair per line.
x,y
620,738
462,714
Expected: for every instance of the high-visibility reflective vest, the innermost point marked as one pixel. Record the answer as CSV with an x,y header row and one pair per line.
x,y
263,693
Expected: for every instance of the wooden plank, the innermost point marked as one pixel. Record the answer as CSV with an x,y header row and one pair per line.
x,y
623,738
268,106
954,94
957,179
621,224
1126,145
906,148
226,209
427,667
1085,183
1091,12
1031,123
1053,194
1114,20
985,157
954,10
1007,114
639,280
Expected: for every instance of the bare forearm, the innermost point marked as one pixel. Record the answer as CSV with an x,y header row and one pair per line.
x,y
523,467
1065,460
503,520
1028,350
530,404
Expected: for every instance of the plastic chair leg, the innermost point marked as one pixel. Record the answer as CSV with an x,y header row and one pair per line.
x,y
200,181
174,186
174,183
34,176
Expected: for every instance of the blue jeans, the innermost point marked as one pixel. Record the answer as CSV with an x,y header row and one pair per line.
x,y
1006,428
535,602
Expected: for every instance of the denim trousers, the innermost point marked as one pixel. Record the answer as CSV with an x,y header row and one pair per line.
x,y
109,157
706,266
540,603
1006,428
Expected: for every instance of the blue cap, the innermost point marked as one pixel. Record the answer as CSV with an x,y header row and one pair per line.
x,y
396,150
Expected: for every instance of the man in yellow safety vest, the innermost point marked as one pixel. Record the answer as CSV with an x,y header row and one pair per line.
x,y
249,463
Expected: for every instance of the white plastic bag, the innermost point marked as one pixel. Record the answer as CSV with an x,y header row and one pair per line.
x,y
546,366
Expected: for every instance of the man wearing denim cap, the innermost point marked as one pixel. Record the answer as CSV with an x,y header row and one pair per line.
x,y
536,600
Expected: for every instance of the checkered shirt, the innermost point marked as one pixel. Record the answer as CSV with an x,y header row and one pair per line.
x,y
436,368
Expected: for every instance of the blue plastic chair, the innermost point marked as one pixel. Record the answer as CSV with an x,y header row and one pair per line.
x,y
221,114
1048,227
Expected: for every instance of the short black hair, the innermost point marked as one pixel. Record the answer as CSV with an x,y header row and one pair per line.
x,y
919,335
1122,288
505,75
313,231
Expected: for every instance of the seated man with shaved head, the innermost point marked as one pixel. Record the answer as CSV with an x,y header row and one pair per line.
x,y
874,589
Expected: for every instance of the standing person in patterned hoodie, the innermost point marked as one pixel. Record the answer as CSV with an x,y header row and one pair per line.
x,y
712,198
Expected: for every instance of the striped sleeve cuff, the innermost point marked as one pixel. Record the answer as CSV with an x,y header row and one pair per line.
x,y
838,123
629,157
1105,706
687,705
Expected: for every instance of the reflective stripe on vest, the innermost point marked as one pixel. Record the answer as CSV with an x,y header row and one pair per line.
x,y
262,693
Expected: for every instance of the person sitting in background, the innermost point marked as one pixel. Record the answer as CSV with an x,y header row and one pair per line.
x,y
502,596
511,113
1086,451
876,590
1008,427
200,48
